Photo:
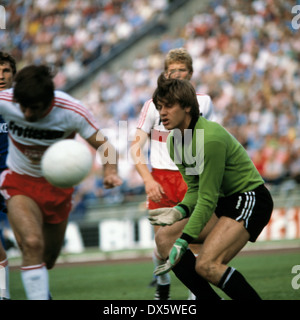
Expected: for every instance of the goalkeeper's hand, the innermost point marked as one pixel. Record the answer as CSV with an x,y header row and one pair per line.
x,y
166,216
177,251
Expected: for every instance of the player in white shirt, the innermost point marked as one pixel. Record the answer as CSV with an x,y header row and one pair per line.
x,y
38,116
164,185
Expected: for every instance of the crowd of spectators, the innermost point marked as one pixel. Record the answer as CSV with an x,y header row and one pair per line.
x,y
70,34
246,57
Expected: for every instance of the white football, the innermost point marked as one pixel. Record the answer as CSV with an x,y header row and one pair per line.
x,y
66,163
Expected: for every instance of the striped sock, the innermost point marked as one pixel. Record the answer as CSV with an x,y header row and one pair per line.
x,y
35,282
185,271
236,287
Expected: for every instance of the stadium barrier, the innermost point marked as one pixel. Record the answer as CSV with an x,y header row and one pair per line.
x,y
125,226
123,233
284,224
111,227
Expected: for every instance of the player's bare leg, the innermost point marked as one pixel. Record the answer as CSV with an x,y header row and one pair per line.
x,y
185,269
224,241
166,236
196,245
26,221
54,235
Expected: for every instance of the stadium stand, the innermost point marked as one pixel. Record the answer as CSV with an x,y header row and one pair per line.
x,y
71,35
245,57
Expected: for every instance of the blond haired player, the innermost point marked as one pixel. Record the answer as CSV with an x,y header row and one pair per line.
x,y
7,72
164,185
37,116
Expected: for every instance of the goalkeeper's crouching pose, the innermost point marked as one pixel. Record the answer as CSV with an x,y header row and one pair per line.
x,y
226,204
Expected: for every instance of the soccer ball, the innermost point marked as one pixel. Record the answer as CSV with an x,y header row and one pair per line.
x,y
66,163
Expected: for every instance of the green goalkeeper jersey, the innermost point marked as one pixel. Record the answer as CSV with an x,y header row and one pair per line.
x,y
213,164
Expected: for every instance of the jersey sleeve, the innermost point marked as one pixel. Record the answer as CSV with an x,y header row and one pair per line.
x,y
206,106
87,125
6,98
147,117
78,114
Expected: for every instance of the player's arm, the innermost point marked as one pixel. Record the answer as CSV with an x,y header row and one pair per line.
x,y
206,107
153,189
109,158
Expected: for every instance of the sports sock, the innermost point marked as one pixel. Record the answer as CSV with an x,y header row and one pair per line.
x,y
186,273
4,280
236,287
35,281
164,279
191,296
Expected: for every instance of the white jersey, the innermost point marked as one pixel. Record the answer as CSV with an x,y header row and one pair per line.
x,y
150,122
29,140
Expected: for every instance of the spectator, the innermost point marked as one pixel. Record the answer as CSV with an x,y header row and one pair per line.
x,y
245,57
59,31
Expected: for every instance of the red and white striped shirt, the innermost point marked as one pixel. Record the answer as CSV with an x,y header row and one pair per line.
x,y
29,140
149,122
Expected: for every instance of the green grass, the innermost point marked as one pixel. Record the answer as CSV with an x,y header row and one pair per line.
x,y
269,274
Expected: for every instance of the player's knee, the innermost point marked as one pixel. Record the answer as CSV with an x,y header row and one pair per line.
x,y
160,246
32,244
205,268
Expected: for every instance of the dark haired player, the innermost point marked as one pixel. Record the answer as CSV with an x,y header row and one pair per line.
x,y
222,183
38,116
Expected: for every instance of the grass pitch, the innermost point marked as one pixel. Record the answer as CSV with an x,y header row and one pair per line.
x,y
270,274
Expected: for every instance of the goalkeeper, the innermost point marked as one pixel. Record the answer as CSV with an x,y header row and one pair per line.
x,y
226,202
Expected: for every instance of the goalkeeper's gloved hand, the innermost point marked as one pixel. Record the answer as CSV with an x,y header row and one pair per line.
x,y
179,248
166,216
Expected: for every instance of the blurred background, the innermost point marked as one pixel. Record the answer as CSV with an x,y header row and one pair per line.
x,y
109,53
